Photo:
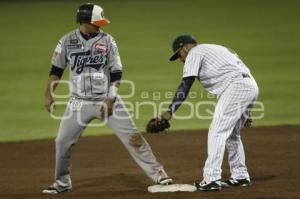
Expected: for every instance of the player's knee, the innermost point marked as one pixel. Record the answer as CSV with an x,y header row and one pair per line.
x,y
63,148
62,143
136,140
59,145
234,137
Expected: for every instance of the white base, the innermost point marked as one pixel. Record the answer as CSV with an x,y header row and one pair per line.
x,y
172,188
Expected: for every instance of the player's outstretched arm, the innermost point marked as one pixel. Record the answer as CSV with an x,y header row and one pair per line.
x,y
161,123
179,97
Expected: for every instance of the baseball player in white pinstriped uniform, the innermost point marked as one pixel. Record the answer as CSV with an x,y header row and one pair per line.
x,y
223,73
95,71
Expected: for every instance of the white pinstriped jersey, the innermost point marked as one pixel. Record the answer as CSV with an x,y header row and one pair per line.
x,y
215,66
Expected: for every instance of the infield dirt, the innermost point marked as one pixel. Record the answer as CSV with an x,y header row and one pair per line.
x,y
102,168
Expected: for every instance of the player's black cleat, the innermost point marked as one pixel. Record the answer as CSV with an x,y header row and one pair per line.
x,y
236,183
211,186
165,181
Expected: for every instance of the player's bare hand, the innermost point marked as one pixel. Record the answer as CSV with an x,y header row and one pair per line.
x,y
107,107
248,122
48,102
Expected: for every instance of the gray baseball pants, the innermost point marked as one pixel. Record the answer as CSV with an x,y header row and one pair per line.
x,y
77,115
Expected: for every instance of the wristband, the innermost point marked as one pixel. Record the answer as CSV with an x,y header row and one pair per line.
x,y
113,92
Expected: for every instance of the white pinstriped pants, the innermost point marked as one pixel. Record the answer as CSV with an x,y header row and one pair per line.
x,y
230,115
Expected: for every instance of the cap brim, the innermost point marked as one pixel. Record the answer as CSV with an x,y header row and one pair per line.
x,y
174,56
101,23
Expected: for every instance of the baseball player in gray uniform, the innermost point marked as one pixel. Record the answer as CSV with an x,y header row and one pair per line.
x,y
223,73
95,72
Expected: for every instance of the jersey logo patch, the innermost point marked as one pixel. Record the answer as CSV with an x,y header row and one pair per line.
x,y
84,59
74,41
99,48
74,46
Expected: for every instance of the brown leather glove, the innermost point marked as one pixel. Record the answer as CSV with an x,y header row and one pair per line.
x,y
157,125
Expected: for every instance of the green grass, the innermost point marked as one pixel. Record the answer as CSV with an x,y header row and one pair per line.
x,y
264,33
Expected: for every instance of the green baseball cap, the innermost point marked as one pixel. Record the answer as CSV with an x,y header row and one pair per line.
x,y
179,42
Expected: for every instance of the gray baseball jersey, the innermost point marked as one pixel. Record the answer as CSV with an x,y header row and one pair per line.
x,y
216,66
90,62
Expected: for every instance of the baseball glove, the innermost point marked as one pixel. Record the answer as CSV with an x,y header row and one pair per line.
x,y
157,125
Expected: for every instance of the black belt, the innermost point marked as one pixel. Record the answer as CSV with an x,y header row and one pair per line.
x,y
244,75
